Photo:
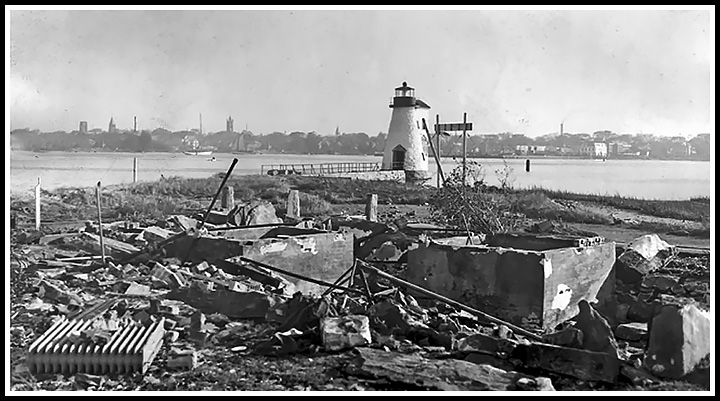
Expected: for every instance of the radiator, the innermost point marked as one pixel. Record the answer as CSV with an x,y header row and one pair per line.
x,y
131,348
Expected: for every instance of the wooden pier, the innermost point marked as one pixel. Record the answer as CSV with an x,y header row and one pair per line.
x,y
320,169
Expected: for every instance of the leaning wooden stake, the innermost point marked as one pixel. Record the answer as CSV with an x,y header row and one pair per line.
x,y
100,232
37,205
405,284
207,212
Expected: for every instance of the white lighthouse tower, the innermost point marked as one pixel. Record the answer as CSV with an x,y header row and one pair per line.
x,y
406,144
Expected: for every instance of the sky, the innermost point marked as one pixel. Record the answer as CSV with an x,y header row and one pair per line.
x,y
520,70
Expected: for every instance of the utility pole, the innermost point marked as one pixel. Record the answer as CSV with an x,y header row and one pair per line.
x,y
464,147
437,140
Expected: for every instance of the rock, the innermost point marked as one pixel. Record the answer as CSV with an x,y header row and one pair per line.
x,y
537,384
182,359
155,234
504,332
255,213
344,332
679,339
481,358
597,334
569,337
578,363
641,256
392,318
484,343
412,370
172,279
137,289
235,305
632,331
662,282
171,336
637,376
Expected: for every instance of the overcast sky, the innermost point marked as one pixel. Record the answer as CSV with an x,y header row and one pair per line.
x,y
310,70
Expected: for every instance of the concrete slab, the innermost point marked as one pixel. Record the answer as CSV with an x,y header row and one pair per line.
x,y
324,256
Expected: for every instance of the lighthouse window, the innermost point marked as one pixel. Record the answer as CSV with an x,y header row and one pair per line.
x,y
418,124
423,155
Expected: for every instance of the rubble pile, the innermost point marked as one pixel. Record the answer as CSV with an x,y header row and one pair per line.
x,y
252,300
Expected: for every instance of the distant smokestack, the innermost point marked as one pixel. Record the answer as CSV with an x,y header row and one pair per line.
x,y
200,123
135,124
561,128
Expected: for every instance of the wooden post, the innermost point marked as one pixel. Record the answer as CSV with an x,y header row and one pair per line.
x,y
527,165
437,133
464,149
135,170
293,204
371,207
228,199
37,205
100,232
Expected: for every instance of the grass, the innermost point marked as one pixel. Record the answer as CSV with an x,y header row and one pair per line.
x,y
694,209
176,195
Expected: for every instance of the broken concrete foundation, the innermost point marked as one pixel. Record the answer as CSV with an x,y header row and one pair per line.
x,y
679,339
312,253
533,281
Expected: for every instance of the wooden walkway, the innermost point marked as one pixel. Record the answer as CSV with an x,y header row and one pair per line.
x,y
319,169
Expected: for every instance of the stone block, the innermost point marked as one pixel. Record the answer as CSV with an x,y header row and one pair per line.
x,y
344,332
679,340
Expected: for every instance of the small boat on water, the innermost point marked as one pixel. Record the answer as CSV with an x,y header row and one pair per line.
x,y
198,152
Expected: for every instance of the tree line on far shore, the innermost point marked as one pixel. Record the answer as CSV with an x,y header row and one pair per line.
x,y
357,143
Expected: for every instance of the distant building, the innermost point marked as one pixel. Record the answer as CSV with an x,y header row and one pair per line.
x,y
594,149
83,127
618,148
229,124
522,149
111,126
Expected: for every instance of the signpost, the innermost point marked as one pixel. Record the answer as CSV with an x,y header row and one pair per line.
x,y
464,127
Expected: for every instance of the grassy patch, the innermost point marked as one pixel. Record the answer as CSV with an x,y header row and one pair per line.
x,y
694,209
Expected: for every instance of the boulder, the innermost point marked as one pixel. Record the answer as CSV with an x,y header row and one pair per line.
x,y
679,340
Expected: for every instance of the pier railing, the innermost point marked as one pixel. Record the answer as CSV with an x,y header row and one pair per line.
x,y
319,169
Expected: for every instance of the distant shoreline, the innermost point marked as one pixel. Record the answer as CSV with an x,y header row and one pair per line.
x,y
456,157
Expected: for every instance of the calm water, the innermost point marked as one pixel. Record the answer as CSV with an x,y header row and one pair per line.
x,y
650,179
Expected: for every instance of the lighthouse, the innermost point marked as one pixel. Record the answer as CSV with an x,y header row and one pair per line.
x,y
406,144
